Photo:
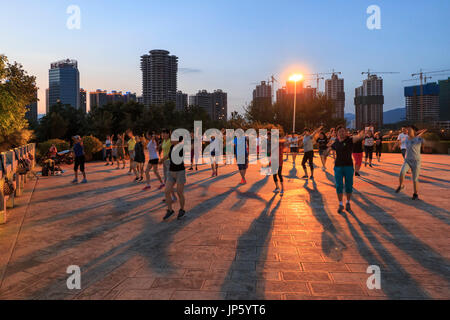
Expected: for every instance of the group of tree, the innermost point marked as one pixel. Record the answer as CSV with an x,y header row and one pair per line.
x,y
17,90
310,113
64,121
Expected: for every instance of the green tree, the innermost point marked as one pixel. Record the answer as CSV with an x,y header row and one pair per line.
x,y
17,90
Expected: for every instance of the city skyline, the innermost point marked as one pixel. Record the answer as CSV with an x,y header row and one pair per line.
x,y
209,63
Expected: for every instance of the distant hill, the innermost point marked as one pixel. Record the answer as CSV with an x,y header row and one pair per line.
x,y
391,116
394,115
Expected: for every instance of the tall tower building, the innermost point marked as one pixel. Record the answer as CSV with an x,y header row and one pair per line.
x,y
64,83
182,101
159,77
215,103
369,102
423,108
98,98
263,90
444,100
334,89
32,111
47,101
219,105
83,100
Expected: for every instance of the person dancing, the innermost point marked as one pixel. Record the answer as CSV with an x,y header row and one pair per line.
x,y
412,159
343,165
152,147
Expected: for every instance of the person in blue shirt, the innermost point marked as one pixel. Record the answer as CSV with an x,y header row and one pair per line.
x,y
78,151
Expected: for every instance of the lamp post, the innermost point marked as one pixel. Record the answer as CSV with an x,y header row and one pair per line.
x,y
295,78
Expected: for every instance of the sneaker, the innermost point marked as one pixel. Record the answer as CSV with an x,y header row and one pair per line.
x,y
84,181
415,196
190,169
400,189
324,169
348,207
305,177
107,164
370,165
341,209
74,181
243,181
129,173
162,185
281,192
357,174
276,190
312,177
146,187
136,179
168,214
141,178
181,213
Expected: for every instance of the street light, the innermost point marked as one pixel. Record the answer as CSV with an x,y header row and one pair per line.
x,y
295,78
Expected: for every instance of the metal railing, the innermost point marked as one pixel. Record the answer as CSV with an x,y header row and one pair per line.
x,y
10,161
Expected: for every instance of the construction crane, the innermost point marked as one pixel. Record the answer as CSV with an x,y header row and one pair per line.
x,y
369,73
317,77
423,78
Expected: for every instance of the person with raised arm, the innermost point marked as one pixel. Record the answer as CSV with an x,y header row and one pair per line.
x,y
308,138
343,165
412,159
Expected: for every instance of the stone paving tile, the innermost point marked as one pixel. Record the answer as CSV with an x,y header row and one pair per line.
x,y
326,289
136,294
197,295
283,286
170,283
306,276
324,266
228,246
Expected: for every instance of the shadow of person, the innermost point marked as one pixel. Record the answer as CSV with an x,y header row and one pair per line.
x,y
332,244
260,229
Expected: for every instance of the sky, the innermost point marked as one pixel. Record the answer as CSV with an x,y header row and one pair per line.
x,y
230,44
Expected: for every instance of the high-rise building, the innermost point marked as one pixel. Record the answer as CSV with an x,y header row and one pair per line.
x,y
32,111
422,108
64,83
83,100
220,105
140,99
263,90
182,101
214,103
159,77
129,96
334,89
444,100
369,102
47,101
98,98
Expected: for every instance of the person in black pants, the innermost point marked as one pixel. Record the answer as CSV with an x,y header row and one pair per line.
x,y
369,142
378,145
279,174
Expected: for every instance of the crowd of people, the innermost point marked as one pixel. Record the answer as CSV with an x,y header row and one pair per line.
x,y
348,149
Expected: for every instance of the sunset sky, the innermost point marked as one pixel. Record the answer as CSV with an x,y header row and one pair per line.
x,y
229,44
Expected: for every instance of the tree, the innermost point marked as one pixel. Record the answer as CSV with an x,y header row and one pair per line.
x,y
17,90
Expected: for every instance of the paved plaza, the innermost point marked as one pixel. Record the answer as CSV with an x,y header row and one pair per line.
x,y
236,242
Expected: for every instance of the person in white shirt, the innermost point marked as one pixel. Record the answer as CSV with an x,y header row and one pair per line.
x,y
152,147
402,137
293,140
412,159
